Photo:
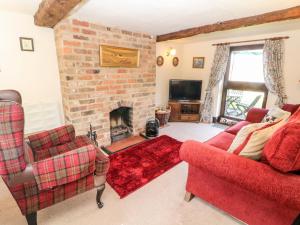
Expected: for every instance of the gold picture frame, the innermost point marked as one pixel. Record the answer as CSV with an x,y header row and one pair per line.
x,y
112,56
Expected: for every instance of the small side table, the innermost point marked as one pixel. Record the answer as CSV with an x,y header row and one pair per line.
x,y
163,116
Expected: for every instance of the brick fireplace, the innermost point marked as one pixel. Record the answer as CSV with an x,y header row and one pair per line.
x,y
94,94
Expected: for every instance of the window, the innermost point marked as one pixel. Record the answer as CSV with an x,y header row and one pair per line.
x,y
244,86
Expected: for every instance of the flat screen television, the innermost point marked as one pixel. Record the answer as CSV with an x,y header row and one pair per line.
x,y
185,89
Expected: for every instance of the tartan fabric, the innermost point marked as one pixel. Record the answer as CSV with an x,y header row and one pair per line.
x,y
79,141
29,157
65,168
11,138
102,164
65,165
30,199
51,138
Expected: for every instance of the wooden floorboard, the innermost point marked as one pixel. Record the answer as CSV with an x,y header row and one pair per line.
x,y
125,143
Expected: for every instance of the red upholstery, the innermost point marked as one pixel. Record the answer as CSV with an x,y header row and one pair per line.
x,y
237,127
259,181
290,108
256,115
247,206
223,140
282,151
251,191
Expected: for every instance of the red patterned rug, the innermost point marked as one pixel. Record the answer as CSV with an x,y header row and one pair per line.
x,y
135,166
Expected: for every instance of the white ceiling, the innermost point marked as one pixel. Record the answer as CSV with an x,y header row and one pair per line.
x,y
20,6
164,16
159,16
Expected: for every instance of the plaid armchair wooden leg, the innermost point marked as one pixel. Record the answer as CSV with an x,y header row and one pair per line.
x,y
32,218
98,196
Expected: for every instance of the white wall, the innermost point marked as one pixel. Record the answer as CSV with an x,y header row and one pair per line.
x,y
201,45
34,74
166,72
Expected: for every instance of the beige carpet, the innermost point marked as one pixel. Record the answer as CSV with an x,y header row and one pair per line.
x,y
158,203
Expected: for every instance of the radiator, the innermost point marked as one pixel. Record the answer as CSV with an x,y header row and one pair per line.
x,y
42,116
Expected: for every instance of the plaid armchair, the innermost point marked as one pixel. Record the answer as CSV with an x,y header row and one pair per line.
x,y
53,166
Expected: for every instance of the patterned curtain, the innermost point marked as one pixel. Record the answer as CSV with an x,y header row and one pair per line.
x,y
273,69
218,71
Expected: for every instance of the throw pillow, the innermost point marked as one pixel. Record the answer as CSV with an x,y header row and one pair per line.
x,y
243,134
282,151
275,114
290,108
253,145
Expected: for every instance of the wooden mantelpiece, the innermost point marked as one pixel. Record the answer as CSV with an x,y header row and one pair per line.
x,y
275,16
185,111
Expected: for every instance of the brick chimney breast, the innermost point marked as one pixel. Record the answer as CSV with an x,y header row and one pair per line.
x,y
91,92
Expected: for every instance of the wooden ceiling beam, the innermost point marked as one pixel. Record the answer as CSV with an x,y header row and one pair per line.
x,y
50,12
280,15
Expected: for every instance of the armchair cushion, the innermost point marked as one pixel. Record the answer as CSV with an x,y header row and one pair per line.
x,y
78,142
65,168
52,138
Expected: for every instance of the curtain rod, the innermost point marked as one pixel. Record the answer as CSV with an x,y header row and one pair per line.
x,y
264,39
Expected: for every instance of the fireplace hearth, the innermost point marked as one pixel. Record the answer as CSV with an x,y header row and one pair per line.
x,y
120,123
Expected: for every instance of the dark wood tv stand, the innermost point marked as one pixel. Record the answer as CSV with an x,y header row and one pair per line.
x,y
185,111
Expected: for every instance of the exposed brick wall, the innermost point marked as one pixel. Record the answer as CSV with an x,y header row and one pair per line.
x,y
89,91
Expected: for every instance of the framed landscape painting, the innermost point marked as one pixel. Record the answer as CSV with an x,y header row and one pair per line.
x,y
198,62
111,56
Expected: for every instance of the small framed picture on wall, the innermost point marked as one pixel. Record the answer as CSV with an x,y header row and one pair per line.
x,y
198,62
26,44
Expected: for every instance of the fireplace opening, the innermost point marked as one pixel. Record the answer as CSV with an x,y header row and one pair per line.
x,y
120,123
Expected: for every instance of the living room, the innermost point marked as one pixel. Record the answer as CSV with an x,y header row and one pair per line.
x,y
164,117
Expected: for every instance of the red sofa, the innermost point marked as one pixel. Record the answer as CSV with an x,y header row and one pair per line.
x,y
251,191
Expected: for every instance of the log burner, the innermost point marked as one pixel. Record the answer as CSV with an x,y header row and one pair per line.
x,y
120,123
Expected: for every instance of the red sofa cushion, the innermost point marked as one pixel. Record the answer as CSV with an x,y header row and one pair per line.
x,y
223,140
256,115
237,127
282,151
290,108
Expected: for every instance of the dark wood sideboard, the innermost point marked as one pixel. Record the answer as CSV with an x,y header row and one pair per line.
x,y
185,111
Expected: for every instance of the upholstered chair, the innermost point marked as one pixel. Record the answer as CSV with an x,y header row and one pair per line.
x,y
51,166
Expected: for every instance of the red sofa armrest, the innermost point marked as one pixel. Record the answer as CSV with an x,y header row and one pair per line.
x,y
51,138
249,174
256,115
65,168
